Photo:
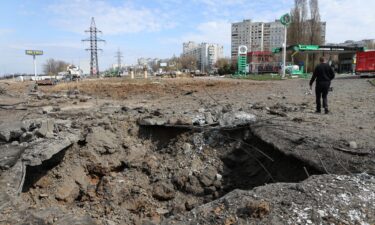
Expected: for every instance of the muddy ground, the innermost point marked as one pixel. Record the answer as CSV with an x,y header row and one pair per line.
x,y
186,151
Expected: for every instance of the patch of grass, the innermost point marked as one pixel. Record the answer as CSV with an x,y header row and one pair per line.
x,y
263,77
373,81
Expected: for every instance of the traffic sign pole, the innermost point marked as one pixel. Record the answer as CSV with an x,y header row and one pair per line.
x,y
285,20
34,57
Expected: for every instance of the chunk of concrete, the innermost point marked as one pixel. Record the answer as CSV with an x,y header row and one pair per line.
x,y
80,177
187,148
135,155
199,120
25,125
26,137
68,191
163,191
11,182
47,109
152,121
42,150
46,129
102,141
208,176
9,155
10,130
236,119
208,117
353,145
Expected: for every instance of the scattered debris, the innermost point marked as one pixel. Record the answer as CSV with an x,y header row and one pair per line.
x,y
353,145
2,91
77,156
231,119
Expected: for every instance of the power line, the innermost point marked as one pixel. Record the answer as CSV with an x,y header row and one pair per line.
x,y
93,39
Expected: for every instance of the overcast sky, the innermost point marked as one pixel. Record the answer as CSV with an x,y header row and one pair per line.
x,y
149,28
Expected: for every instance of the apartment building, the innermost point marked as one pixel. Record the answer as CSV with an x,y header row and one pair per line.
x,y
206,54
241,35
260,36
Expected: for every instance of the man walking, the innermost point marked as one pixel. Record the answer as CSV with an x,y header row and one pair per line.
x,y
323,74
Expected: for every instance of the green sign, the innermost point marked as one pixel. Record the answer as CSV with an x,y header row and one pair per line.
x,y
277,50
34,52
242,64
308,47
286,19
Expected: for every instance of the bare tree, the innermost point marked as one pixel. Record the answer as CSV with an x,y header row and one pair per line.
x,y
53,67
224,66
155,67
314,35
188,62
305,28
315,32
174,64
297,28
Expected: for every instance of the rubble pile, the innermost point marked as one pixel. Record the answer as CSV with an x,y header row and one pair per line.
x,y
74,159
327,199
36,140
127,167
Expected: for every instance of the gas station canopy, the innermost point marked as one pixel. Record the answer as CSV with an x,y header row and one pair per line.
x,y
320,49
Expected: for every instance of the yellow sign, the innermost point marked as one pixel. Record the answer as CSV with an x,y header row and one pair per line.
x,y
34,52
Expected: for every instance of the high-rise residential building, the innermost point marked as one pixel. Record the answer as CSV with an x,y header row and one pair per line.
x,y
241,35
206,54
188,46
260,36
257,36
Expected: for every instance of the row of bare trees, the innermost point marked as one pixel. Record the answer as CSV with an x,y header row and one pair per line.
x,y
180,63
305,28
53,67
306,25
223,65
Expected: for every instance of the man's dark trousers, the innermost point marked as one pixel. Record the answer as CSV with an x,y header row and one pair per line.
x,y
321,91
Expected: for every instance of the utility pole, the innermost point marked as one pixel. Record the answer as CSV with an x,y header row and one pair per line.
x,y
93,39
119,56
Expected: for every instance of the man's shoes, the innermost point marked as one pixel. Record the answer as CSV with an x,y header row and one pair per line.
x,y
326,111
317,111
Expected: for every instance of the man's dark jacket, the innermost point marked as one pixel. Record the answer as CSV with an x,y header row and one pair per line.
x,y
323,73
